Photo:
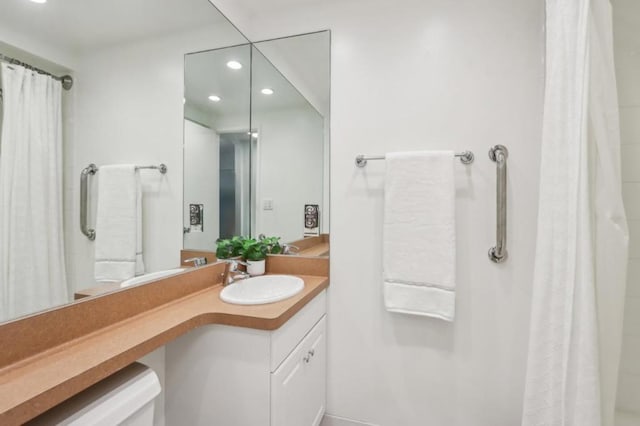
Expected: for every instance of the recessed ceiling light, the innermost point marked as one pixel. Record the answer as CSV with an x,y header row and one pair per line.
x,y
39,1
234,65
215,98
267,91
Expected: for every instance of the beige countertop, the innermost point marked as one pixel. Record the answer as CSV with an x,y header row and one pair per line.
x,y
50,375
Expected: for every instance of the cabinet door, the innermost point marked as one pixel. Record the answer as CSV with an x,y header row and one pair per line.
x,y
298,386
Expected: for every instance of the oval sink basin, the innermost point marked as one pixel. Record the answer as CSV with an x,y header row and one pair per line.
x,y
262,289
151,277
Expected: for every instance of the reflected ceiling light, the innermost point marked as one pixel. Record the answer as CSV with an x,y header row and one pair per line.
x,y
255,134
215,98
267,91
234,65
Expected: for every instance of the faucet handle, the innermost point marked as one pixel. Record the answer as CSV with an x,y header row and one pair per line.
x,y
233,264
290,249
197,261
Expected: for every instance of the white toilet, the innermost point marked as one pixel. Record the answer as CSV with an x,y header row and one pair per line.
x,y
126,398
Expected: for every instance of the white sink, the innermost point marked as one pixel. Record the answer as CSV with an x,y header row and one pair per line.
x,y
151,277
262,289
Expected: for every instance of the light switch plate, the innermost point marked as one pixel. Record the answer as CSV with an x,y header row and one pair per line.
x,y
267,204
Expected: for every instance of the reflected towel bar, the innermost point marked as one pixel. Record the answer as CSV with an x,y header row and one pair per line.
x,y
466,157
92,169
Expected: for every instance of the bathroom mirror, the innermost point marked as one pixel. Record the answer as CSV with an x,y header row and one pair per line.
x,y
126,58
266,175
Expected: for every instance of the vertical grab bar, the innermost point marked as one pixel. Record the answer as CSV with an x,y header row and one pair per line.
x,y
499,155
91,169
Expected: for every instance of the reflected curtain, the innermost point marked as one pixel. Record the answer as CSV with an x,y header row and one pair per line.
x,y
32,267
582,242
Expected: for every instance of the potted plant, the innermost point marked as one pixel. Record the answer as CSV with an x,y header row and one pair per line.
x,y
229,248
254,253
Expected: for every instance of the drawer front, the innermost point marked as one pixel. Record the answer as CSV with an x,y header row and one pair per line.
x,y
298,386
284,339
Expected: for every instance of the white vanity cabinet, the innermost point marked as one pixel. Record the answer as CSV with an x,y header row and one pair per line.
x,y
234,376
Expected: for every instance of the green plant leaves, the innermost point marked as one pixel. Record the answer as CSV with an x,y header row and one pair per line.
x,y
248,248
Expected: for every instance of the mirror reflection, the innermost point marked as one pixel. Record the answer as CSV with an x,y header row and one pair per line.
x,y
256,159
126,59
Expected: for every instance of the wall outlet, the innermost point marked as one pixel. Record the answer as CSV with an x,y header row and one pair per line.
x,y
267,204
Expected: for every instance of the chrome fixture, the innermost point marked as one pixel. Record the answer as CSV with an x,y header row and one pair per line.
x,y
197,261
234,274
499,155
65,80
466,157
92,169
290,249
309,355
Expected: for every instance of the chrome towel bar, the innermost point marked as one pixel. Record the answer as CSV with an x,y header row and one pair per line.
x,y
499,155
92,169
466,157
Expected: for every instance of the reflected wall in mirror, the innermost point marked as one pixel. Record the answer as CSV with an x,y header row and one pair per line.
x,y
268,168
125,107
217,145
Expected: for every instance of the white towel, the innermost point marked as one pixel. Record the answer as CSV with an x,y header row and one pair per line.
x,y
419,234
119,224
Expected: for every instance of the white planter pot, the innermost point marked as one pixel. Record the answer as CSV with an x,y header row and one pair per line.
x,y
255,267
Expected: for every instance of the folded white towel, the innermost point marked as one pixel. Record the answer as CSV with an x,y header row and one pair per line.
x,y
118,226
419,234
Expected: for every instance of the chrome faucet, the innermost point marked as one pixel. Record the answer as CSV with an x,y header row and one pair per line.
x,y
290,249
234,274
197,261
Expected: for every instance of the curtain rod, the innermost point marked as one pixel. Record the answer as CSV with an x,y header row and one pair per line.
x,y
65,80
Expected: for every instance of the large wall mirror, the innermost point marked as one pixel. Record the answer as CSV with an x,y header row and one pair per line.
x,y
256,141
126,58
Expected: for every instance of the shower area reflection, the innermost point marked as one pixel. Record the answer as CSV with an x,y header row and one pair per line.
x,y
235,176
32,243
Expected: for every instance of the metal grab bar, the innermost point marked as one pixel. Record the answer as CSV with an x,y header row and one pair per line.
x,y
92,169
499,155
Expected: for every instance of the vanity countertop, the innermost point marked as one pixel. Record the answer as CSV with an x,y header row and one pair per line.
x,y
33,385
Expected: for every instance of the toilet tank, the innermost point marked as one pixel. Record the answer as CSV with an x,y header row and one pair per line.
x,y
124,398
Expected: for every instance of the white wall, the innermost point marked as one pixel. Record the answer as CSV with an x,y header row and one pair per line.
x,y
202,183
628,76
290,169
428,74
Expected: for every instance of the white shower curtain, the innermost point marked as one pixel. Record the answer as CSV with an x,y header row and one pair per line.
x,y
32,268
581,254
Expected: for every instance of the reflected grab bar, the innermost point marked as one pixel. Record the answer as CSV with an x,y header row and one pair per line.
x,y
92,169
499,155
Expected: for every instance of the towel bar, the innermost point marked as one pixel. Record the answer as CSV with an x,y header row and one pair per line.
x,y
466,157
92,169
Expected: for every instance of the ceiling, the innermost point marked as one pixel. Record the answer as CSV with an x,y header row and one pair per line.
x,y
77,26
86,24
207,73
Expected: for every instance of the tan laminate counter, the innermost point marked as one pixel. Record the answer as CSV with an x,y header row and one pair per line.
x,y
33,385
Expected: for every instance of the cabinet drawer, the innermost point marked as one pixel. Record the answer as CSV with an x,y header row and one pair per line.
x,y
298,386
284,339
